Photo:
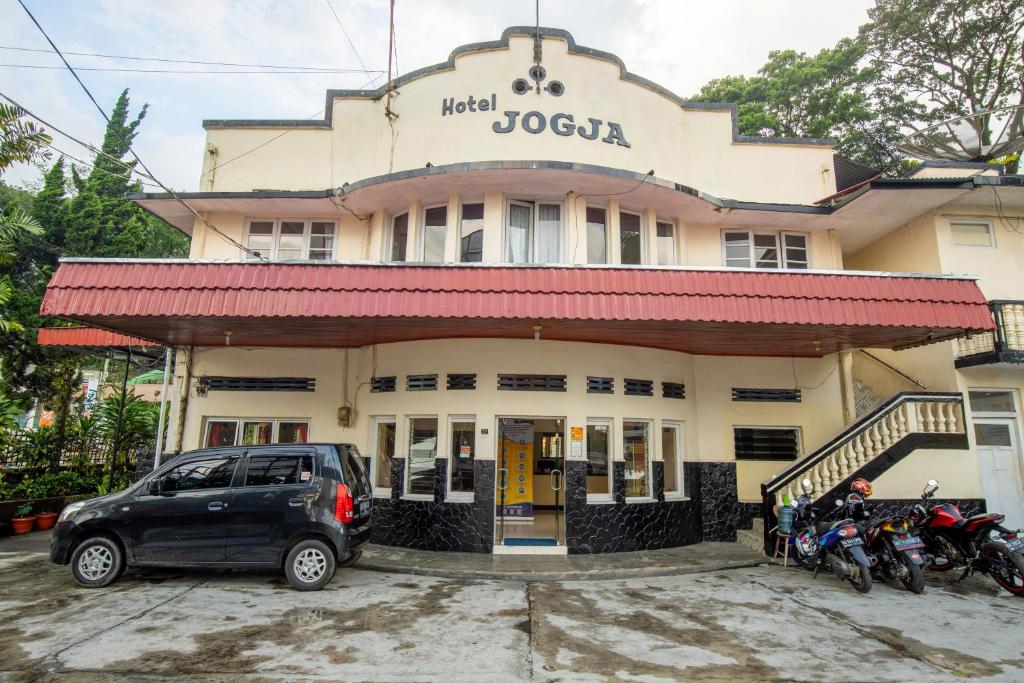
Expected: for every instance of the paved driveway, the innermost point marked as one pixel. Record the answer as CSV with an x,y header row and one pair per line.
x,y
759,623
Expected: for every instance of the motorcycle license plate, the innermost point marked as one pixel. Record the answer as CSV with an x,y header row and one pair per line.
x,y
908,543
850,542
1016,544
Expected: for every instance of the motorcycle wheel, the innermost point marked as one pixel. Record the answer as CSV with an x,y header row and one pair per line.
x,y
914,580
863,584
1006,567
807,561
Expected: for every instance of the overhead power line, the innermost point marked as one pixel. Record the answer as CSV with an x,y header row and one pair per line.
x,y
208,72
184,61
103,113
348,38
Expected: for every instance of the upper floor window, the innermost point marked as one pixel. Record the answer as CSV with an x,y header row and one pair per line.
x,y
972,233
630,238
398,237
666,243
471,233
749,249
288,239
534,232
435,229
597,235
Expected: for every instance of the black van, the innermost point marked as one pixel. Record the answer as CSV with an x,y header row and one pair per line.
x,y
301,507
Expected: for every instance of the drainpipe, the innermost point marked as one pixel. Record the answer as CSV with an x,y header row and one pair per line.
x,y
169,352
187,389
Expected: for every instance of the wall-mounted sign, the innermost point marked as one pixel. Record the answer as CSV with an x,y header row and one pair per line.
x,y
536,122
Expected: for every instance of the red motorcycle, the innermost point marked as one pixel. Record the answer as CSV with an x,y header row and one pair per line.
x,y
976,543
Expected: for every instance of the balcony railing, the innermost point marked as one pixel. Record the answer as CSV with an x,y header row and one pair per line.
x,y
1004,345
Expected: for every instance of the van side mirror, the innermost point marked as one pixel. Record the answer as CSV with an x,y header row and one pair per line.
x,y
153,488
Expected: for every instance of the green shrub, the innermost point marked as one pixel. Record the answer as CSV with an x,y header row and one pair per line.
x,y
50,485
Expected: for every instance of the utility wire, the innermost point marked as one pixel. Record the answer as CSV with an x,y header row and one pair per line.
x,y
182,71
90,166
349,39
128,145
184,61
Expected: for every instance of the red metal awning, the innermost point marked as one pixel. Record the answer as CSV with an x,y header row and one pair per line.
x,y
732,312
86,337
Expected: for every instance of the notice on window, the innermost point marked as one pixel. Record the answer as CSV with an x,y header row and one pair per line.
x,y
576,444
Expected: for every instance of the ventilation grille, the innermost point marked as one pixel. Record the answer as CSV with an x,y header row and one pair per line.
x,y
759,443
762,395
600,385
211,383
461,382
380,385
531,382
421,383
673,390
638,387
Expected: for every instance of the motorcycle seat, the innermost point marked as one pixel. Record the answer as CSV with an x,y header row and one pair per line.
x,y
974,521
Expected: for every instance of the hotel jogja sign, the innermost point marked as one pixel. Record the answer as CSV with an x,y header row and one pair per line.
x,y
535,122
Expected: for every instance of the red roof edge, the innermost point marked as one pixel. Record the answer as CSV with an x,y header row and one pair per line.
x,y
86,336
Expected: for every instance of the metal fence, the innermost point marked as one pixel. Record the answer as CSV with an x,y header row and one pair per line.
x,y
14,447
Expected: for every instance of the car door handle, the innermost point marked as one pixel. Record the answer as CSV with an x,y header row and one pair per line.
x,y
296,502
216,505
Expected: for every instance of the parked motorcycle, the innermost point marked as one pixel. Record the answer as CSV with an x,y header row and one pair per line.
x,y
838,546
974,544
897,551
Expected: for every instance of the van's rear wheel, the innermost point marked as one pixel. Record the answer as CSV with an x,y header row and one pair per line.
x,y
310,565
97,562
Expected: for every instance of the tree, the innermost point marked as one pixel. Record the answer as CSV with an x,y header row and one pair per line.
x,y
20,140
826,95
949,58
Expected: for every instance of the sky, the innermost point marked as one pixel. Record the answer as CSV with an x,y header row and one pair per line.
x,y
679,44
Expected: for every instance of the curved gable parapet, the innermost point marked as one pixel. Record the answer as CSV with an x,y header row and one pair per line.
x,y
503,43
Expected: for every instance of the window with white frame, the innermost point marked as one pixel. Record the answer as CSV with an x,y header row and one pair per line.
x,y
435,232
636,451
397,238
533,232
666,244
289,239
419,479
672,457
462,434
599,458
972,233
597,235
471,233
383,449
251,431
631,243
752,249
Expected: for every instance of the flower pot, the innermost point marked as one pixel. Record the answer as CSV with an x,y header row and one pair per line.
x,y
46,520
22,525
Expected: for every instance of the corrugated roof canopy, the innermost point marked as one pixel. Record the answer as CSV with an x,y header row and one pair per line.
x,y
770,313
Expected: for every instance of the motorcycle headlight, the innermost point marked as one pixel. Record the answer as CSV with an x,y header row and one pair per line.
x,y
70,510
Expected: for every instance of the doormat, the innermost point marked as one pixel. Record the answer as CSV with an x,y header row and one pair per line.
x,y
530,541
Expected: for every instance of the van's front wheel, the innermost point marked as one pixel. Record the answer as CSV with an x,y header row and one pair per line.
x,y
97,562
310,565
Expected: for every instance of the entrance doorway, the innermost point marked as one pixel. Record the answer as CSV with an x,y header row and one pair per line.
x,y
529,495
999,459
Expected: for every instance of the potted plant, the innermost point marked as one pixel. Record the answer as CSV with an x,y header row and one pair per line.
x,y
23,519
46,520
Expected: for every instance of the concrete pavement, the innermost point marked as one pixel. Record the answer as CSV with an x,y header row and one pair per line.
x,y
757,623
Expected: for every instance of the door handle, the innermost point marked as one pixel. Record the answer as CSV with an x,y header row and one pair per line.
x,y
556,481
502,478
296,502
216,505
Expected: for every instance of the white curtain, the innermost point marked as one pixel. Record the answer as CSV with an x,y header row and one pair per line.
x,y
518,233
549,228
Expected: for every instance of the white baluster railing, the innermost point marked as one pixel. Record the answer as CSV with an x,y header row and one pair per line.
x,y
866,440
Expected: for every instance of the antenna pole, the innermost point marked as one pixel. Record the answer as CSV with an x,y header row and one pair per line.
x,y
537,42
391,49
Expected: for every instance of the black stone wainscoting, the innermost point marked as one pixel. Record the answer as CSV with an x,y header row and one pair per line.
x,y
437,524
710,514
901,506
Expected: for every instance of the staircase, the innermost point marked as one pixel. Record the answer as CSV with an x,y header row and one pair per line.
x,y
875,442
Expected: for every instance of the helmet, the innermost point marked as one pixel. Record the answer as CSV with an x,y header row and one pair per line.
x,y
861,486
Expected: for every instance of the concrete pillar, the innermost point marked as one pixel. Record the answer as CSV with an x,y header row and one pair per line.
x,y
494,226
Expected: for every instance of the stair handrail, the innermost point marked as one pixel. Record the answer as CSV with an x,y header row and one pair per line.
x,y
852,430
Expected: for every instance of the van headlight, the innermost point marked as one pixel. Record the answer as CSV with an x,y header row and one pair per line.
x,y
70,510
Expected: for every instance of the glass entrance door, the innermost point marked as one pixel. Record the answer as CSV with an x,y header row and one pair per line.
x,y
529,489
